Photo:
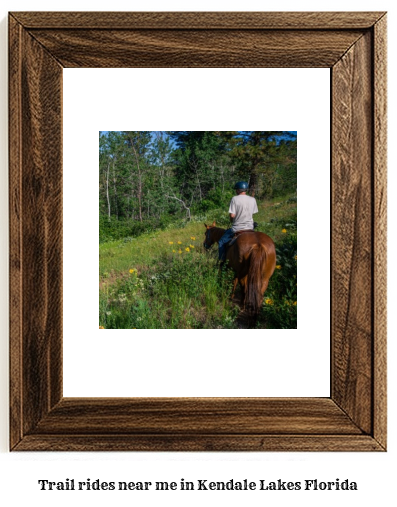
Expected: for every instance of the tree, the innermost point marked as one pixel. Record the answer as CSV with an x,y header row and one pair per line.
x,y
138,144
257,152
154,175
162,180
202,163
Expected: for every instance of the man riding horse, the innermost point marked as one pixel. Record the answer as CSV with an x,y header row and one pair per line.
x,y
241,209
251,255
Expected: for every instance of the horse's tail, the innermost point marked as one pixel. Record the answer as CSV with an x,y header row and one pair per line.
x,y
253,289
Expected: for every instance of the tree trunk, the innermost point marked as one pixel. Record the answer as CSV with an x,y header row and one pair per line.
x,y
253,184
116,204
107,187
139,182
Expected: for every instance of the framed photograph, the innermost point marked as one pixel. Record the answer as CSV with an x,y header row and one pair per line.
x,y
353,46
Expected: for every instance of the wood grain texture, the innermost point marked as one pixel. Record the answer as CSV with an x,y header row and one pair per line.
x,y
196,48
196,416
352,233
36,242
380,229
354,46
15,228
200,20
41,87
199,443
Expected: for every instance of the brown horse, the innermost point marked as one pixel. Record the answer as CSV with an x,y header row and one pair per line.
x,y
253,260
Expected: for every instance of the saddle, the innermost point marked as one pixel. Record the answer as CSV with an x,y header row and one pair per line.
x,y
236,235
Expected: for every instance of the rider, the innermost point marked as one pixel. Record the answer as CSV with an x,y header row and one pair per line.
x,y
241,209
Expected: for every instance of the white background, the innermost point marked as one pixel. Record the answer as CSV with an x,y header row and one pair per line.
x,y
19,473
236,363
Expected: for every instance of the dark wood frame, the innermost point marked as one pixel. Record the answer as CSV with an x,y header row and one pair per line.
x,y
353,46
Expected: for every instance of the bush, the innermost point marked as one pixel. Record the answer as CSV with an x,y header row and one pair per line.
x,y
216,198
113,229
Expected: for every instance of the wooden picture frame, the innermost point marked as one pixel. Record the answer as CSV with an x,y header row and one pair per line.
x,y
353,46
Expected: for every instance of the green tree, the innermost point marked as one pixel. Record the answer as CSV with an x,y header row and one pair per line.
x,y
257,153
203,164
137,146
148,177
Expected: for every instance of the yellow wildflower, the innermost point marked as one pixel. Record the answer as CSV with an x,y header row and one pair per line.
x,y
269,301
295,303
180,251
193,238
101,327
296,257
132,271
278,267
187,249
191,246
179,242
284,231
173,251
171,242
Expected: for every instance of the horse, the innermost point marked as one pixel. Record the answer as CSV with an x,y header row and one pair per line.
x,y
252,257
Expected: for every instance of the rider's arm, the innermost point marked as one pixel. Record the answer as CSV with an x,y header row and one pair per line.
x,y
231,215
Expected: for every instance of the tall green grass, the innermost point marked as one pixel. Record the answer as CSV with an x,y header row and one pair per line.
x,y
184,290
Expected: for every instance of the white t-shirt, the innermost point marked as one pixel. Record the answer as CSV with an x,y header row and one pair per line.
x,y
243,206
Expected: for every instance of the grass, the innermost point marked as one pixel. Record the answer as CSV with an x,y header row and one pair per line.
x,y
165,279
